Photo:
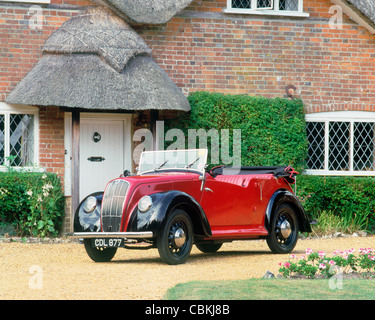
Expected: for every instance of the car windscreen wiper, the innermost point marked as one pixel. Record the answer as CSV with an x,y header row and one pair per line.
x,y
162,165
191,163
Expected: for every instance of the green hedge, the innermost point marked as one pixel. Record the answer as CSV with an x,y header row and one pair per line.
x,y
350,198
33,202
272,130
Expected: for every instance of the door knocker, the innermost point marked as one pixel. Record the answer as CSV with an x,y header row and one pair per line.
x,y
97,137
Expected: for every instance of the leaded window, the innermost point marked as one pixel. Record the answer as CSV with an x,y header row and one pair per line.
x,y
276,5
18,129
343,143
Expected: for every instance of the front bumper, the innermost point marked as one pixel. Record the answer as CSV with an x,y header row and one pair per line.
x,y
125,235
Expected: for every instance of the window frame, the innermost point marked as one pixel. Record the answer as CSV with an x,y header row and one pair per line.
x,y
265,11
29,1
7,109
340,116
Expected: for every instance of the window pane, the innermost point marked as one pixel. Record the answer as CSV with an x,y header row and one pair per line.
x,y
289,5
363,148
21,139
339,146
241,4
2,132
264,4
315,137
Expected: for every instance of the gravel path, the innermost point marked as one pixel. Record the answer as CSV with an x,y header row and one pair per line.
x,y
64,271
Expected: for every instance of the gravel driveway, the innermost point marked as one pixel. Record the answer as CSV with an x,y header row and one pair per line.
x,y
64,271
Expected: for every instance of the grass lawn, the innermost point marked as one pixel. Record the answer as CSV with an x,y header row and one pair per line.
x,y
274,289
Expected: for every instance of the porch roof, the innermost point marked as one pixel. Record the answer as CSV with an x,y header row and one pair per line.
x,y
96,61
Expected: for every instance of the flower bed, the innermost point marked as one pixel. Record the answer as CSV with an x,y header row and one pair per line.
x,y
317,264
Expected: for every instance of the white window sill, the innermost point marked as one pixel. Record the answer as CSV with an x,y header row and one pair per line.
x,y
268,12
21,169
339,173
28,1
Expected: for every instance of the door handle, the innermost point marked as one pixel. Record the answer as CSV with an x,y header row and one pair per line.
x,y
96,159
208,189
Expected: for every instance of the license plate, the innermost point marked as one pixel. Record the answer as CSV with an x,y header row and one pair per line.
x,y
108,242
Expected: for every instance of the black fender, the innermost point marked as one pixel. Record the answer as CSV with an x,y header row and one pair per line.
x,y
282,196
88,222
162,205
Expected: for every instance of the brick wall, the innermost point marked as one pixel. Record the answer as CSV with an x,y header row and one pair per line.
x,y
51,140
205,49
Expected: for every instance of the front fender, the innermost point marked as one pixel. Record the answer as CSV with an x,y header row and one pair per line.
x,y
88,222
281,196
163,203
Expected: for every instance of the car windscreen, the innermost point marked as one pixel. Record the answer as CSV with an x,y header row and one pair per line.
x,y
192,159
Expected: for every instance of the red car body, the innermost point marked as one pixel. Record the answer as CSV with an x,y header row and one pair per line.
x,y
192,207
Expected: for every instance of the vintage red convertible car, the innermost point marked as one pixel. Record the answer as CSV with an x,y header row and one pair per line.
x,y
173,203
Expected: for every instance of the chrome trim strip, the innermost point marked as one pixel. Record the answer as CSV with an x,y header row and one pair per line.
x,y
127,235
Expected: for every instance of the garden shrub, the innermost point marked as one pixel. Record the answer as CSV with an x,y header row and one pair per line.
x,y
32,202
350,198
272,130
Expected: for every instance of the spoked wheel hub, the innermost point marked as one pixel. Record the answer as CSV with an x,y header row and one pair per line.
x,y
283,228
177,236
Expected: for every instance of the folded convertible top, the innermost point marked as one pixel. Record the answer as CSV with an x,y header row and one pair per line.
x,y
286,172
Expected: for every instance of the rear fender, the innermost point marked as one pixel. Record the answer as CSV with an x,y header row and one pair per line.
x,y
88,222
285,196
162,205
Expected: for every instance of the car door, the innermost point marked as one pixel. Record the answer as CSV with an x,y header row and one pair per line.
x,y
231,201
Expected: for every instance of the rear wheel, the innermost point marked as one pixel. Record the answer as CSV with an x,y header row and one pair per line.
x,y
283,234
99,254
176,240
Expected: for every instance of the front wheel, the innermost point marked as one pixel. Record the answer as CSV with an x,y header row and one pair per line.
x,y
99,254
283,234
176,240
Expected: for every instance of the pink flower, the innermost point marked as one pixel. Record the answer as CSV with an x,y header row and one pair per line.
x,y
322,266
280,264
302,257
287,265
332,263
321,254
293,256
309,251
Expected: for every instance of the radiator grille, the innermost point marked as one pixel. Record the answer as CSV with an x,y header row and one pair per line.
x,y
112,206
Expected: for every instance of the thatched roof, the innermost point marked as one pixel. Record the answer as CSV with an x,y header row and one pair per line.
x,y
366,7
148,11
101,32
96,61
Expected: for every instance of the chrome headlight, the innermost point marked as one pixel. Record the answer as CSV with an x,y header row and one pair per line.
x,y
145,203
90,204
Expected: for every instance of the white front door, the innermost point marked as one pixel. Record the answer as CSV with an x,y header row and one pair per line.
x,y
105,150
